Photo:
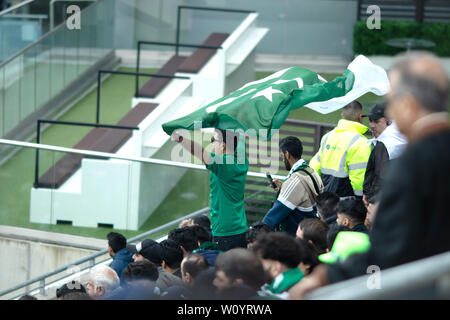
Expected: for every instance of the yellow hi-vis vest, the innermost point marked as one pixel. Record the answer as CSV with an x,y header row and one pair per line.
x,y
343,155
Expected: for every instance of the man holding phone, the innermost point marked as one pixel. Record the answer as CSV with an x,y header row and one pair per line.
x,y
297,194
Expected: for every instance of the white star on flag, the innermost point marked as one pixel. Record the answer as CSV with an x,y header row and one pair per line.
x,y
267,93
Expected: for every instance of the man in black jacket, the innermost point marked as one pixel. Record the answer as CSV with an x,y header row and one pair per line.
x,y
388,143
412,221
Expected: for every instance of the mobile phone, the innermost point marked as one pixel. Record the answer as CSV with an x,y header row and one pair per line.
x,y
271,180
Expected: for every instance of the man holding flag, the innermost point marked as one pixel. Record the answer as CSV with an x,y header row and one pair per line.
x,y
228,168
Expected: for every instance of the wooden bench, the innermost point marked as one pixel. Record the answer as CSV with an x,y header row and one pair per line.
x,y
191,64
98,139
200,57
155,85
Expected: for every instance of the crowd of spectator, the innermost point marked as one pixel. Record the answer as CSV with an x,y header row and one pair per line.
x,y
330,220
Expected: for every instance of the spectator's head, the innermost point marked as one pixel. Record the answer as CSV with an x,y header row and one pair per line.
x,y
73,286
352,112
202,234
278,252
326,205
140,273
191,266
77,296
291,150
102,281
419,87
239,267
116,242
372,209
254,230
377,119
224,141
139,280
308,256
172,255
185,237
28,297
203,288
203,220
315,231
148,249
333,232
351,212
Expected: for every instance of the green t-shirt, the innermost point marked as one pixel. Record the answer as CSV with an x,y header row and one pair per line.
x,y
227,184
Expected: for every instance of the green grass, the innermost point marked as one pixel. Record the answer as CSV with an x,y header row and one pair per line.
x,y
17,175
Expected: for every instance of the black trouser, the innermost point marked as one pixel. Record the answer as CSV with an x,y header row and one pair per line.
x,y
225,243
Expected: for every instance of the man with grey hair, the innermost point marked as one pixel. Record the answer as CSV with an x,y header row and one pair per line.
x,y
102,281
412,221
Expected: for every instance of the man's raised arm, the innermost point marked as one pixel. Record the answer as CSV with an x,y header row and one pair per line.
x,y
193,147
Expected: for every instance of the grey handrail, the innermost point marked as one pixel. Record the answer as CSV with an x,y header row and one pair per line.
x,y
92,257
17,6
45,36
395,282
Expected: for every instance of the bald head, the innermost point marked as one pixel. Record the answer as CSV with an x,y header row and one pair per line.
x,y
352,111
421,75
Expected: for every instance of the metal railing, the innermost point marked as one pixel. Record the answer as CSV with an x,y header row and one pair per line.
x,y
91,259
69,123
17,6
137,74
40,40
423,279
177,41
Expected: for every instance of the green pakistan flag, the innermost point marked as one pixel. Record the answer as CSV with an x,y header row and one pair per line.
x,y
266,103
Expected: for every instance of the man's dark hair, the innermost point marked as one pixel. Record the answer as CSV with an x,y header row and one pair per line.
x,y
203,287
244,264
77,296
203,220
138,270
255,229
333,232
172,253
185,237
278,246
194,263
28,297
352,111
116,241
327,204
66,288
354,209
315,230
308,254
427,90
293,145
229,138
202,234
